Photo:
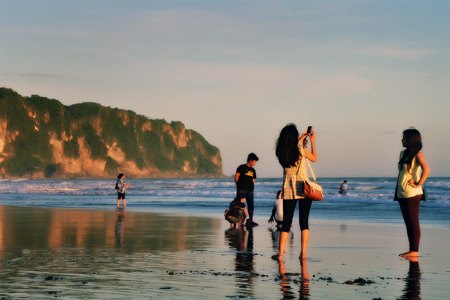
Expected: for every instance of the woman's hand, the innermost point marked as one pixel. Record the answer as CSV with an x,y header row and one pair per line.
x,y
412,183
303,135
312,136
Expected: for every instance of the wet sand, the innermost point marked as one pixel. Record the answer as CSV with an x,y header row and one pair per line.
x,y
109,254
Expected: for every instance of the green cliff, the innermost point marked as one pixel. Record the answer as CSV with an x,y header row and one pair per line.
x,y
42,138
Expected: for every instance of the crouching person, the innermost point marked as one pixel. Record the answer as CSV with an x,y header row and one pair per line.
x,y
237,212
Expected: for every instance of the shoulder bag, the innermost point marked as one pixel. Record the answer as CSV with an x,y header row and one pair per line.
x,y
312,190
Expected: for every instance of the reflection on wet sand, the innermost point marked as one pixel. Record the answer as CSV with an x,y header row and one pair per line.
x,y
242,241
91,230
275,236
287,279
120,226
412,281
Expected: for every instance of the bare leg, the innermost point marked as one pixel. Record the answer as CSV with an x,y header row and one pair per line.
x,y
305,238
124,203
283,238
118,203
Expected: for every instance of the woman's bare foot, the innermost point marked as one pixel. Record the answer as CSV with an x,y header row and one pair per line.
x,y
409,254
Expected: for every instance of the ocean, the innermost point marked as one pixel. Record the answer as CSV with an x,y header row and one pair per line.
x,y
368,199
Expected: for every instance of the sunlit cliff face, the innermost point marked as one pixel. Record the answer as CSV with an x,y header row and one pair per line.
x,y
88,140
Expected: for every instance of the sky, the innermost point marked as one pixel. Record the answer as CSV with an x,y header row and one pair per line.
x,y
360,72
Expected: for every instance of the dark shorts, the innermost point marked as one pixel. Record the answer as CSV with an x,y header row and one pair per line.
x,y
120,195
248,198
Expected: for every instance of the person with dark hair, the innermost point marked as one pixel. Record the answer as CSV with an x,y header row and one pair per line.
x,y
245,183
121,187
292,156
413,172
343,188
236,212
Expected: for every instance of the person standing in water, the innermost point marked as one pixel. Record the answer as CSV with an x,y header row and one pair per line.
x,y
413,172
343,188
121,187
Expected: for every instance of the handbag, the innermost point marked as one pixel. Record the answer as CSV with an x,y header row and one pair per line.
x,y
424,195
312,190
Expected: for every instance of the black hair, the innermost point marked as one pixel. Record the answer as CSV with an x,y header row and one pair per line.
x,y
120,175
252,156
287,150
413,144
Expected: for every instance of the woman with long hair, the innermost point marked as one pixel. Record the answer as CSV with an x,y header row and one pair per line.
x,y
413,172
292,156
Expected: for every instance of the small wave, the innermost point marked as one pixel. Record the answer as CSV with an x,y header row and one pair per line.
x,y
62,189
367,188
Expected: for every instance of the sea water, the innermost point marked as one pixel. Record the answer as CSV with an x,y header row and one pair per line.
x,y
367,200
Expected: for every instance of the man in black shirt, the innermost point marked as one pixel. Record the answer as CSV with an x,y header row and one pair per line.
x,y
245,183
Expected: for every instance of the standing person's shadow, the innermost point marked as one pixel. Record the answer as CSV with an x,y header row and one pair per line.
x,y
242,241
120,226
412,281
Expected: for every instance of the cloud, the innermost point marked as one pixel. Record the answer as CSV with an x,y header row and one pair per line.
x,y
38,75
254,82
405,53
184,23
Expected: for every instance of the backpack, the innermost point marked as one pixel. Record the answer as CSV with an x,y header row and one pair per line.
x,y
235,213
117,185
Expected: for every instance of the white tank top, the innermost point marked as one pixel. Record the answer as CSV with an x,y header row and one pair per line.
x,y
404,190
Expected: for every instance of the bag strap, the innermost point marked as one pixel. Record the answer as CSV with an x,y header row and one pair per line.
x,y
310,168
309,165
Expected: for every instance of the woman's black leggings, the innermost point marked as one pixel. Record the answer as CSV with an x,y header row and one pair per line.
x,y
410,212
288,213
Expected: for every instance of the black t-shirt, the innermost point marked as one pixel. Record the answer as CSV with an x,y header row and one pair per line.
x,y
247,174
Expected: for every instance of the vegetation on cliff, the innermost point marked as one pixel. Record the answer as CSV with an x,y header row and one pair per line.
x,y
42,136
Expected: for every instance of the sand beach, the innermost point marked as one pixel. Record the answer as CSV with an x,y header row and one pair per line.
x,y
117,254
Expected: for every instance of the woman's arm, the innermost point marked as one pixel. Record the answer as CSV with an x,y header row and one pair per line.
x,y
313,155
425,171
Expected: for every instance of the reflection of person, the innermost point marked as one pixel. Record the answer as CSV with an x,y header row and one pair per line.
x,y
412,286
277,211
304,287
413,172
242,242
122,186
120,226
292,156
236,212
286,288
245,182
344,187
